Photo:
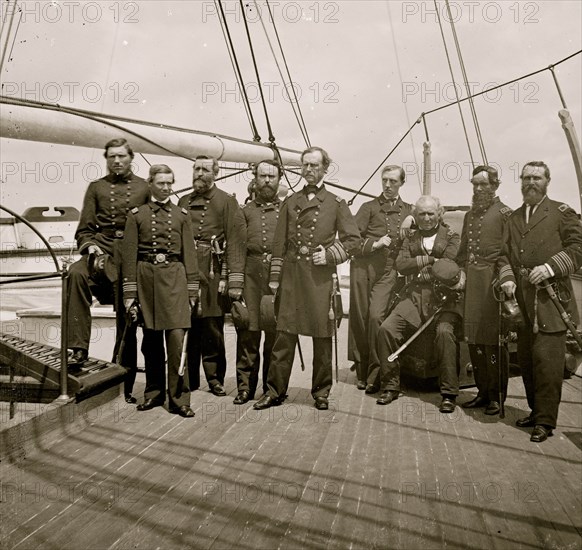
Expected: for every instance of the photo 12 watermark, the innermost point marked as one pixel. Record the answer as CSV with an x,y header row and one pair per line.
x,y
491,92
288,12
272,92
327,492
72,92
71,12
468,492
470,11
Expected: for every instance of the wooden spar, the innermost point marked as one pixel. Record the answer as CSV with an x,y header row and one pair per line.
x,y
426,183
51,125
574,144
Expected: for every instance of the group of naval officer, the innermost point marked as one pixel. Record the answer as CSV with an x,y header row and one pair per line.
x,y
175,267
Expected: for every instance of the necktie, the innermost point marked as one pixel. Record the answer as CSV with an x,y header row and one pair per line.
x,y
160,204
530,209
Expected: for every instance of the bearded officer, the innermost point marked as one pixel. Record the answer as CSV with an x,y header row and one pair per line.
x,y
160,271
218,228
261,215
304,258
101,225
544,244
480,255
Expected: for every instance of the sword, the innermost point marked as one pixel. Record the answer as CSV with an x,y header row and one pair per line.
x,y
422,327
563,313
300,353
500,361
183,355
333,317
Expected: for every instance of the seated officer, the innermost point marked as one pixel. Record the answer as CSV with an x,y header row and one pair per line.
x,y
420,253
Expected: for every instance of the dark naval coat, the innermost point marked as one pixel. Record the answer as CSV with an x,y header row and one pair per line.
x,y
553,236
160,266
216,214
105,207
414,260
260,223
480,255
305,289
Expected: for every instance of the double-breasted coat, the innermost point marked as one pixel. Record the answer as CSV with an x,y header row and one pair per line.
x,y
160,266
216,214
553,236
481,256
375,219
305,289
260,223
106,204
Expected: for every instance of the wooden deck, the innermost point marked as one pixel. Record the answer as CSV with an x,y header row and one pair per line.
x,y
356,476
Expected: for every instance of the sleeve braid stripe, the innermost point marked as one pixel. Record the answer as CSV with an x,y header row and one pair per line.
x,y
236,278
564,262
505,272
338,252
129,287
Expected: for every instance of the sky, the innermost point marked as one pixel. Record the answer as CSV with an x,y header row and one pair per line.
x,y
364,71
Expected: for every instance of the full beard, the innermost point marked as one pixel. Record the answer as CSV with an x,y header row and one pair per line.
x,y
267,193
482,201
200,186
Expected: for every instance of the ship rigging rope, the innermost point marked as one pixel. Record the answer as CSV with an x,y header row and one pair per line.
x,y
454,83
96,117
260,86
230,55
5,49
447,105
466,81
240,80
267,120
295,101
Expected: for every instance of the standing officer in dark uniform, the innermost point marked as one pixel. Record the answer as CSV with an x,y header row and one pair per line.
x,y
482,238
304,258
105,206
420,252
544,244
261,215
372,277
160,270
217,223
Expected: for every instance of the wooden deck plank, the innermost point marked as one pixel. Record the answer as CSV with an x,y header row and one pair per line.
x,y
398,476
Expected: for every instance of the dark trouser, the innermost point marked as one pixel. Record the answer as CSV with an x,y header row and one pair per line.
x,y
358,318
445,346
282,362
541,357
248,344
79,298
155,366
402,322
485,361
380,298
206,344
